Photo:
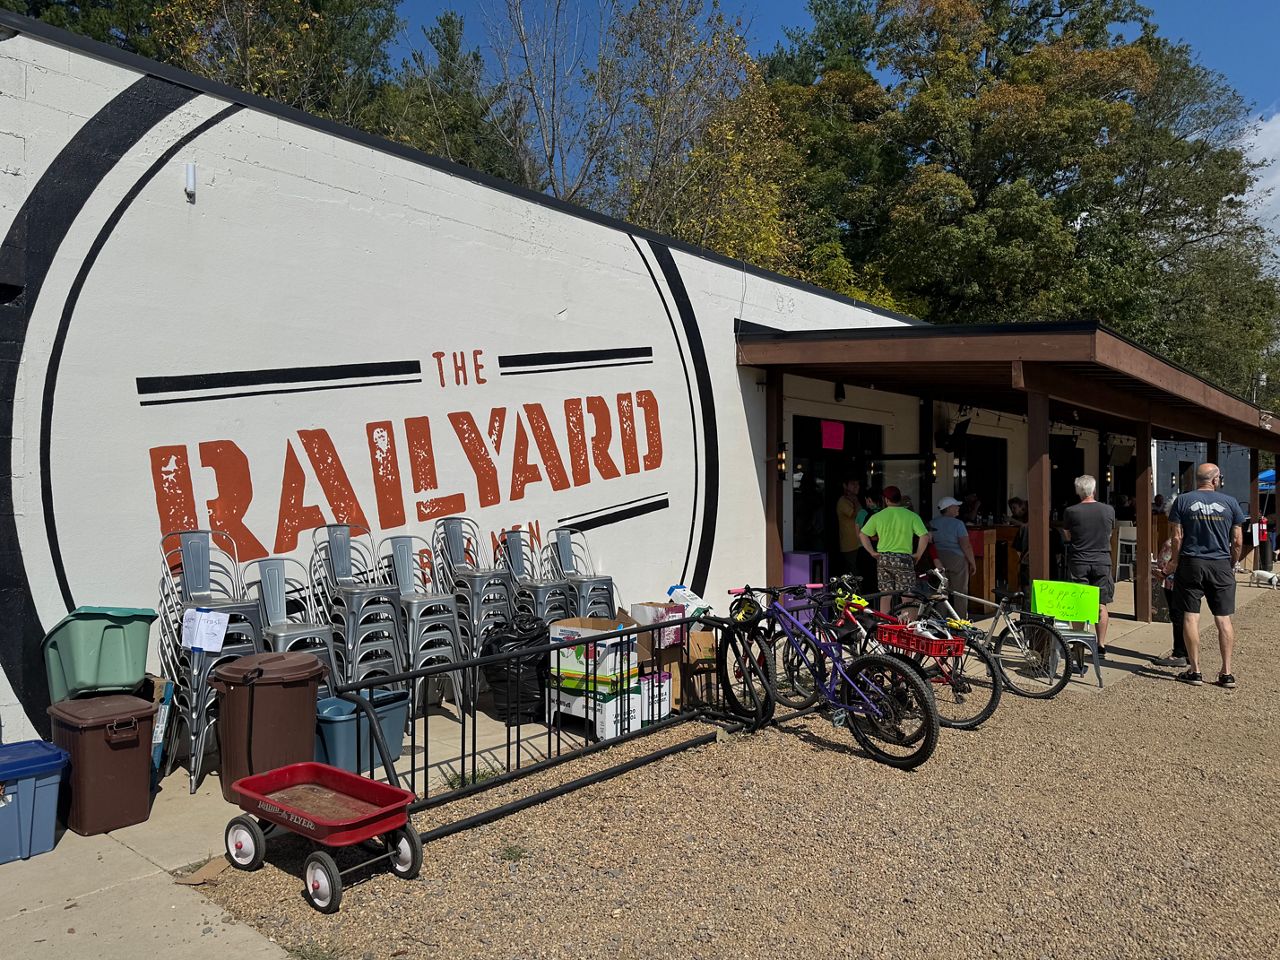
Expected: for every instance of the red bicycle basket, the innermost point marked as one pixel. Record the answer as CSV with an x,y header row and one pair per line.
x,y
901,636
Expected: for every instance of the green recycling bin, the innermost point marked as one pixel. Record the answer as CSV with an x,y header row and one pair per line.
x,y
97,650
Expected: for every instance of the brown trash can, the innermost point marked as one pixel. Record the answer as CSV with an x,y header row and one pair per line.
x,y
266,713
109,740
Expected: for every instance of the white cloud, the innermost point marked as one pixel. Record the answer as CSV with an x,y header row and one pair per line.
x,y
1266,195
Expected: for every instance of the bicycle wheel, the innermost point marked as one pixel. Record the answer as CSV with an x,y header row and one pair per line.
x,y
799,673
889,711
966,688
1033,659
743,664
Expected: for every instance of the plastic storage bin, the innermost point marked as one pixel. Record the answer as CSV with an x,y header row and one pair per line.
x,y
30,778
266,713
97,650
341,725
109,743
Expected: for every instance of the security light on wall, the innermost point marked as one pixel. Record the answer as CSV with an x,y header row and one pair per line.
x,y
839,393
190,188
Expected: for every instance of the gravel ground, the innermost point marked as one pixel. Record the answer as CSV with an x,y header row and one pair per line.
x,y
1143,821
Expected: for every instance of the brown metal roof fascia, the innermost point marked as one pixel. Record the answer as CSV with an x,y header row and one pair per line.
x,y
1134,362
943,344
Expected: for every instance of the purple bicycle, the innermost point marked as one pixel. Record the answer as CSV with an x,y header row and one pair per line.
x,y
885,704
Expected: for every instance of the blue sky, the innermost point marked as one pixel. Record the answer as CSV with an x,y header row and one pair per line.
x,y
1238,38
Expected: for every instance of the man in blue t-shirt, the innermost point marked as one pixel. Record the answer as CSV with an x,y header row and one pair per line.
x,y
1205,528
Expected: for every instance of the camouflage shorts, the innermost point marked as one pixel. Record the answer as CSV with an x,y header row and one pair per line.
x,y
895,572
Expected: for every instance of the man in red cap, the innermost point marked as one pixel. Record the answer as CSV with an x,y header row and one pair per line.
x,y
893,529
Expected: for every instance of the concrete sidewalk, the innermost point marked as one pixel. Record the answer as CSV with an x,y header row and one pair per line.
x,y
112,897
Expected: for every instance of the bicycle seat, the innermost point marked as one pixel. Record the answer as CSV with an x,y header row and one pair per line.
x,y
1003,595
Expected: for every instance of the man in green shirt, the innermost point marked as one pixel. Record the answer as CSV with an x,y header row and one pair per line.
x,y
893,529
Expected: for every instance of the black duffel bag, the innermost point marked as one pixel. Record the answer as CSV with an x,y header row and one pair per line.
x,y
518,684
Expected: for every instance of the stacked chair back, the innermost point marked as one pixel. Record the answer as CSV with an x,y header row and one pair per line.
x,y
567,557
199,568
428,616
361,607
290,618
548,598
482,589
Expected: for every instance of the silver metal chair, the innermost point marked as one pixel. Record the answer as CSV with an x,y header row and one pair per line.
x,y
548,599
291,620
360,605
566,556
483,590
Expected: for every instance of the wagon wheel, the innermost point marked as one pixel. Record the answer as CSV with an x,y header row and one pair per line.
x,y
323,883
246,844
405,848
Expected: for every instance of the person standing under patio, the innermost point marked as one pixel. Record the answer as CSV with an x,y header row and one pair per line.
x,y
955,551
847,509
1087,528
1206,528
893,529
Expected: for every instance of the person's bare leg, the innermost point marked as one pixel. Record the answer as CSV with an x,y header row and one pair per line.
x,y
1103,619
1191,639
1226,641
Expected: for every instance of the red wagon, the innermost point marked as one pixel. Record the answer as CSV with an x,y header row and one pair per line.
x,y
331,806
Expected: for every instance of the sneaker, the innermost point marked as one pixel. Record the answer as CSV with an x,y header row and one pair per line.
x,y
1191,677
1226,680
1170,661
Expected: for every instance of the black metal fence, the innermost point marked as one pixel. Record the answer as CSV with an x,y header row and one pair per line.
x,y
526,710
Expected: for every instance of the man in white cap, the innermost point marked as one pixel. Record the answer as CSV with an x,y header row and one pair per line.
x,y
955,551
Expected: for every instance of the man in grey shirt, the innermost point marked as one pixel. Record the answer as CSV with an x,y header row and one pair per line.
x,y
1087,530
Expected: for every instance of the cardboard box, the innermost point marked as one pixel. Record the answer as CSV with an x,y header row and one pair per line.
x,y
613,714
655,697
594,659
160,692
655,613
702,647
696,687
606,683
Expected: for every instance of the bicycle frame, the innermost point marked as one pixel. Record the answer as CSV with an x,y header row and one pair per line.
x,y
787,620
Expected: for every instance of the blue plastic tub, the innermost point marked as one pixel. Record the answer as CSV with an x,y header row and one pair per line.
x,y
338,729
30,774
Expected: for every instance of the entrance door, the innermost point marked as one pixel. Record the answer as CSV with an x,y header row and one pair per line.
x,y
825,453
1067,460
986,474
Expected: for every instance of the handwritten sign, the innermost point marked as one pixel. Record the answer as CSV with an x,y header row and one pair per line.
x,y
204,629
1071,602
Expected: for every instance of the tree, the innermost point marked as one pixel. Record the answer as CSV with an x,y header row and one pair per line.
x,y
323,56
122,23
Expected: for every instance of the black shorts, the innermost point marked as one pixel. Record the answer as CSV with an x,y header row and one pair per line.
x,y
1096,574
1212,580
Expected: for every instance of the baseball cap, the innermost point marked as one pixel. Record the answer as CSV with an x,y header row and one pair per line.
x,y
947,502
892,494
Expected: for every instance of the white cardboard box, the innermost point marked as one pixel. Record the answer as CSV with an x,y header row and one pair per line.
x,y
600,659
613,715
655,697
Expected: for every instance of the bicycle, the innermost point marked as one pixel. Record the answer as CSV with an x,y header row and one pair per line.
x,y
1032,655
885,704
962,673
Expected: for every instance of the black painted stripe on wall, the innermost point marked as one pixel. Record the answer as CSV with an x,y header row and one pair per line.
x,y
26,255
576,366
569,521
279,375
561,357
697,357
202,398
617,516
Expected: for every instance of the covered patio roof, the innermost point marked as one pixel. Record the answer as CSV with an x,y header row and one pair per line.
x,y
1084,369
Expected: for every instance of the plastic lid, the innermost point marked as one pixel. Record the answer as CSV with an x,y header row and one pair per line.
x,y
275,667
99,711
97,613
30,758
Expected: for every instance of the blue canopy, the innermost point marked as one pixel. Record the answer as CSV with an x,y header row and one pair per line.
x,y
1267,481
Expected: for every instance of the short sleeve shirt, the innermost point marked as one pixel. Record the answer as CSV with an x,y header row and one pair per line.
x,y
1206,518
1090,525
949,534
847,513
895,526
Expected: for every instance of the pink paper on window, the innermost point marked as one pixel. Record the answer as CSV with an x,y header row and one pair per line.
x,y
832,435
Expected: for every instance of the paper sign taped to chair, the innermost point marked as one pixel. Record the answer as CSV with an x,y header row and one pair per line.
x,y
1070,602
204,629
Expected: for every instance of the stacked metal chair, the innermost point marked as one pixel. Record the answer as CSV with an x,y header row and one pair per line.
x,y
567,557
290,618
482,589
428,615
548,599
198,572
361,607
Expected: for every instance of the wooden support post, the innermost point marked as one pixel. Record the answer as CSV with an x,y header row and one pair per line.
x,y
1255,495
1213,455
773,485
1038,476
1145,493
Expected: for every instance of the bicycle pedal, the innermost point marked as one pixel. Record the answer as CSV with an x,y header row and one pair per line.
x,y
839,718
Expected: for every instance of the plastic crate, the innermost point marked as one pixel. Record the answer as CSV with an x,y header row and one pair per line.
x,y
903,637
31,775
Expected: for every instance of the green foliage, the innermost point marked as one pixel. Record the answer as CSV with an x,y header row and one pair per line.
x,y
122,23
